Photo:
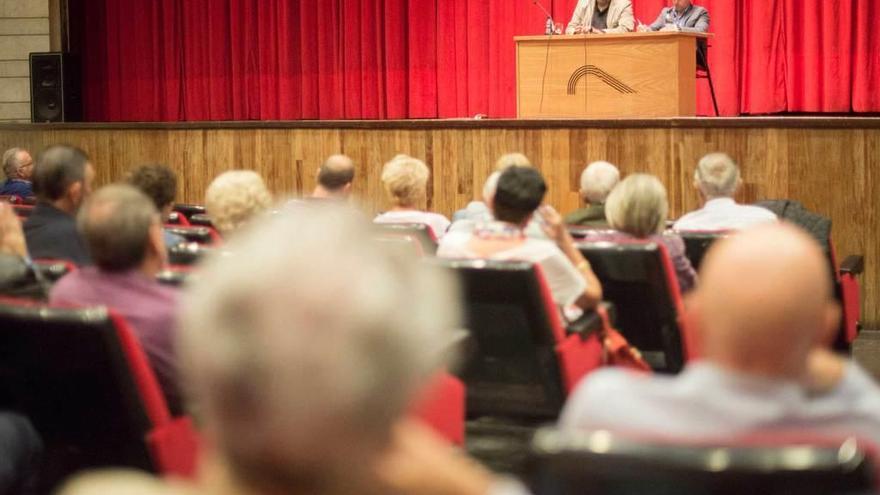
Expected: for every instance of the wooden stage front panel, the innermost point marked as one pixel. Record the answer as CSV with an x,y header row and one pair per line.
x,y
831,165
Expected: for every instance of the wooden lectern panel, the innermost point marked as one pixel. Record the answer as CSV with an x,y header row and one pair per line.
x,y
633,75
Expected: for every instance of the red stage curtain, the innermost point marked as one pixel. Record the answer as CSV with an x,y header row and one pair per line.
x,y
168,60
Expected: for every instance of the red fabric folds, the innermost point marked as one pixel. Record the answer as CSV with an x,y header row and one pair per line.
x,y
167,60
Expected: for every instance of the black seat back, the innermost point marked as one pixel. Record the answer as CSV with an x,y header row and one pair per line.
x,y
187,254
66,370
635,278
512,369
418,231
201,235
599,463
188,210
201,219
698,243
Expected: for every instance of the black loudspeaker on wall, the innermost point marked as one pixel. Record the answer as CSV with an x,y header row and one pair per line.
x,y
55,88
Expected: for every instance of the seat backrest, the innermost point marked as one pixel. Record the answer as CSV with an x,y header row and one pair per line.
x,y
600,463
187,254
52,270
697,243
511,366
418,231
638,278
22,210
82,378
201,219
188,210
201,235
177,218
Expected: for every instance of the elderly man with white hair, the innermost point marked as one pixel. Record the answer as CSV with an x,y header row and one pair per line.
x,y
765,319
717,178
18,166
597,181
304,346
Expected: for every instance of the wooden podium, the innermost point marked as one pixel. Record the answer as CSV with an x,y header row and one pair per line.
x,y
632,75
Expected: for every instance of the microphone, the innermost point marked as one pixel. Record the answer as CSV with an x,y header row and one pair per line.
x,y
550,28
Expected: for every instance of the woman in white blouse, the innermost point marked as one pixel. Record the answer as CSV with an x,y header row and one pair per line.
x,y
406,179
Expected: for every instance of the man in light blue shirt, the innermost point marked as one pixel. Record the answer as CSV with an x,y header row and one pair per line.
x,y
765,310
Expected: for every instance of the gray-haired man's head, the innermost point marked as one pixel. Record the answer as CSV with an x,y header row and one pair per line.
x,y
122,228
717,176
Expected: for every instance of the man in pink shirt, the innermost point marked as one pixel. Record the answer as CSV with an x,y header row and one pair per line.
x,y
123,232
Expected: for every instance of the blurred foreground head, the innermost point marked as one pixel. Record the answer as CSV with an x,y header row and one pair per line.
x,y
765,302
305,344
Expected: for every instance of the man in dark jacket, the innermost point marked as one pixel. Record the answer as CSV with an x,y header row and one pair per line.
x,y
62,181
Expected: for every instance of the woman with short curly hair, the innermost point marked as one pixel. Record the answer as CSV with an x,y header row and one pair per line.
x,y
406,182
234,197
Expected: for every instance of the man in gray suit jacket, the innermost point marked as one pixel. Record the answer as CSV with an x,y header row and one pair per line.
x,y
682,16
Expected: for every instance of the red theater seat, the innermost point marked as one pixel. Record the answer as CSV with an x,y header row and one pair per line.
x,y
52,269
81,377
521,362
441,406
600,463
638,278
202,235
410,233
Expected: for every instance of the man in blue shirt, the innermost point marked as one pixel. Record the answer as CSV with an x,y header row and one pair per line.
x,y
764,312
18,167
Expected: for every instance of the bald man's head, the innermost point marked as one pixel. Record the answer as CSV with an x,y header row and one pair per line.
x,y
765,301
336,173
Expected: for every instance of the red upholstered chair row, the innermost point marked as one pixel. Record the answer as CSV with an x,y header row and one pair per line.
x,y
844,277
520,360
81,377
598,463
639,280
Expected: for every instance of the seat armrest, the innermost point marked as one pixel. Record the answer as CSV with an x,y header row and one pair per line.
x,y
853,265
585,326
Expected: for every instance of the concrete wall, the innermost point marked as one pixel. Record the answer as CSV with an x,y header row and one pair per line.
x,y
24,28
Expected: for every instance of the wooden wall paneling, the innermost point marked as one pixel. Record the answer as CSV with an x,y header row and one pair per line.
x,y
835,171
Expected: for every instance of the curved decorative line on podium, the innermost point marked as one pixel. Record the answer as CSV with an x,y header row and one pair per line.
x,y
605,77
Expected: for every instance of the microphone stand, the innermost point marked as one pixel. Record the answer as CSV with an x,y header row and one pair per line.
x,y
551,24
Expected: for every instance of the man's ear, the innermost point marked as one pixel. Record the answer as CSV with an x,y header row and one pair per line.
x,y
75,193
830,325
347,188
156,241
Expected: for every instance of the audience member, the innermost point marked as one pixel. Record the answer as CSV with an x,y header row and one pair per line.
x,y
717,178
234,198
123,231
17,276
517,199
478,211
637,209
335,179
405,179
597,182
62,181
300,397
159,183
512,160
18,167
20,449
765,311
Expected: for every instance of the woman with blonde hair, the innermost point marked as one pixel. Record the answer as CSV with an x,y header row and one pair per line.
x,y
234,198
406,183
637,209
